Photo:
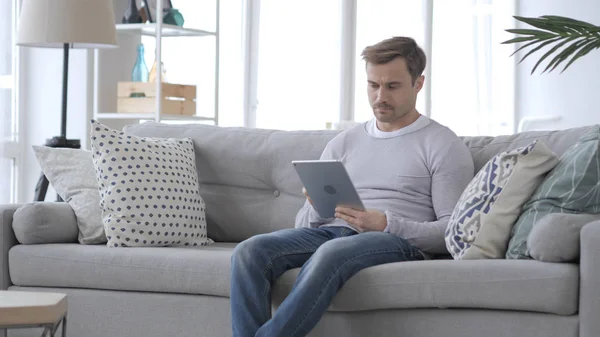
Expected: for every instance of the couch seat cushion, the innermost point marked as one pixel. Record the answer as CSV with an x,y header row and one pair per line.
x,y
194,270
490,284
527,285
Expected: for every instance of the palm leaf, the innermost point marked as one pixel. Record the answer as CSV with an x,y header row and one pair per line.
x,y
543,24
551,51
539,47
582,52
563,19
576,25
584,37
564,54
531,43
532,32
522,39
557,58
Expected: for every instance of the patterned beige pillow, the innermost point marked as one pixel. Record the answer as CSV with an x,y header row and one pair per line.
x,y
480,225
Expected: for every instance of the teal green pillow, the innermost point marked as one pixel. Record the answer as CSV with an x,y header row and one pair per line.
x,y
572,187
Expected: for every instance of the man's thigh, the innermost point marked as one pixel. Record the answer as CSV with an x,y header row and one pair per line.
x,y
287,248
368,249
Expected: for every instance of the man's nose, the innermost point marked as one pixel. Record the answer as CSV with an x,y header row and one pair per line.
x,y
382,95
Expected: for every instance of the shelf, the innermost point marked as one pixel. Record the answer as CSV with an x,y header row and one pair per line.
x,y
118,115
149,29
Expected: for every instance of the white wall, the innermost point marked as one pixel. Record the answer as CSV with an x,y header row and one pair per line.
x,y
572,95
41,96
40,103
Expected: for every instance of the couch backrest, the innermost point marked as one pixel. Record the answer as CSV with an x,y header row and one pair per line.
x,y
246,176
484,148
250,187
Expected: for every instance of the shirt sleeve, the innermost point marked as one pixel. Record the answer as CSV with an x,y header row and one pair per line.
x,y
448,182
307,216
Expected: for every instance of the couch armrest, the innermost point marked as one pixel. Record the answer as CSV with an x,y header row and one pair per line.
x,y
7,240
589,301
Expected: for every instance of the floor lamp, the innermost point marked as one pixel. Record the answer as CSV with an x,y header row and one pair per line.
x,y
65,24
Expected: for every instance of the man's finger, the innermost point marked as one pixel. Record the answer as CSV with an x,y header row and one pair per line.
x,y
306,195
348,211
345,217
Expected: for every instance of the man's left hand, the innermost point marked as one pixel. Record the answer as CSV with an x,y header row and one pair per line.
x,y
363,221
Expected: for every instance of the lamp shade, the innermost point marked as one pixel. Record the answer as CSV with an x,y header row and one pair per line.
x,y
80,23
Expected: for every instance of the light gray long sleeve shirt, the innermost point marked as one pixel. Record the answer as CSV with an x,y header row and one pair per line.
x,y
414,176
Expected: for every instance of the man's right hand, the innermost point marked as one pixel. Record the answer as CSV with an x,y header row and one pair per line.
x,y
307,196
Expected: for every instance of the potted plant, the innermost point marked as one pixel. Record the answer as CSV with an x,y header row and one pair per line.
x,y
576,38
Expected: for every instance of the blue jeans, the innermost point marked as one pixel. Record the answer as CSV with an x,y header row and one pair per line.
x,y
329,256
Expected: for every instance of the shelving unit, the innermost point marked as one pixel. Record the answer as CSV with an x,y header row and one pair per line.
x,y
149,29
159,31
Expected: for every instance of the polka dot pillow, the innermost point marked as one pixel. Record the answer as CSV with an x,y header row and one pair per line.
x,y
148,190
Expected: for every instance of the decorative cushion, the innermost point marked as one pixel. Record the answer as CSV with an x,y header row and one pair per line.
x,y
148,190
71,173
555,238
45,222
571,188
480,224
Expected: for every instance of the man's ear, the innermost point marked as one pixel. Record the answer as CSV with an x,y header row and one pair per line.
x,y
419,83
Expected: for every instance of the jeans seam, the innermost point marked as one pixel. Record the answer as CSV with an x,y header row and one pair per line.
x,y
371,252
269,267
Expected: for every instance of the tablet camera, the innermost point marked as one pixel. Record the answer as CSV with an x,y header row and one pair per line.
x,y
330,189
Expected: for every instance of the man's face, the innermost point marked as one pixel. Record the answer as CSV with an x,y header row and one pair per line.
x,y
392,94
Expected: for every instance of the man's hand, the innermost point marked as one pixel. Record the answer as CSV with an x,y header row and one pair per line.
x,y
363,221
307,196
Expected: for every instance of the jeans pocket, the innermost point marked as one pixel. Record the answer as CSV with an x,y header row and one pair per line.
x,y
347,232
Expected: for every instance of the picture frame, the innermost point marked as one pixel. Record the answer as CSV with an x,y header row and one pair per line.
x,y
150,8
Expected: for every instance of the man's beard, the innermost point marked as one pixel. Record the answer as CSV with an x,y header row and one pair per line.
x,y
383,106
390,115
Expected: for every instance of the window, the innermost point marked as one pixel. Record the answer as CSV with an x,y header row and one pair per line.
x,y
293,65
469,84
9,154
378,20
298,64
472,74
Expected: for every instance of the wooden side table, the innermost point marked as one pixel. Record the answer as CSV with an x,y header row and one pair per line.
x,y
20,310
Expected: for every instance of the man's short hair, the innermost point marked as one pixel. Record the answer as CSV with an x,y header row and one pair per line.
x,y
398,46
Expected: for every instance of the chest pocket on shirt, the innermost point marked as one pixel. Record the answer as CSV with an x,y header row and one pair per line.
x,y
418,187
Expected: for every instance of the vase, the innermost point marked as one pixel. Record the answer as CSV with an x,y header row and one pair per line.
x,y
132,14
140,70
152,76
173,17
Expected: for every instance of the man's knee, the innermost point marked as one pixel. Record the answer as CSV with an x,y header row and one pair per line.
x,y
330,253
256,248
341,246
249,248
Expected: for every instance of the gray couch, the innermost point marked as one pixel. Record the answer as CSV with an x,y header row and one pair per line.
x,y
249,187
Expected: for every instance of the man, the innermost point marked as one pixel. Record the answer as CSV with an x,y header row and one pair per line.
x,y
408,170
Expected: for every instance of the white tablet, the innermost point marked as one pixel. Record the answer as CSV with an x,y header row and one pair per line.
x,y
328,185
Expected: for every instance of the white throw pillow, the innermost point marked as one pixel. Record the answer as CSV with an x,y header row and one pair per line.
x,y
149,190
481,223
71,173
